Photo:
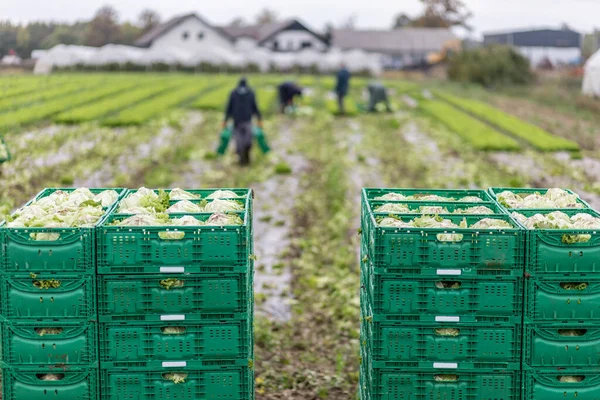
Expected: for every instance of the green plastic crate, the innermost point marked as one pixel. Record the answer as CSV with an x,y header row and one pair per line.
x,y
143,298
30,384
494,192
579,384
450,298
564,299
144,250
73,252
445,347
391,384
28,343
75,297
550,254
199,345
224,383
562,346
395,250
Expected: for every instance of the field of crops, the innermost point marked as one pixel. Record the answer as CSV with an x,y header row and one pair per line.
x,y
153,130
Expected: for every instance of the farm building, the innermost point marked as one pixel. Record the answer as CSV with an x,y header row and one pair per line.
x,y
286,36
559,46
591,78
191,32
399,48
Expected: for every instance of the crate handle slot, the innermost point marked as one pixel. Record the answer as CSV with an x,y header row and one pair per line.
x,y
45,236
574,285
451,285
450,237
171,283
48,331
171,235
173,330
447,332
50,377
175,377
572,332
446,378
570,378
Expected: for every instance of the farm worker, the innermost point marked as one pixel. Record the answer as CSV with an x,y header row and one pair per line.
x,y
287,92
342,86
378,94
241,107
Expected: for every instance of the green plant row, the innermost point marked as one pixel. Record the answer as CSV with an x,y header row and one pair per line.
x,y
13,88
45,110
534,135
105,106
349,104
213,100
266,98
149,109
51,93
473,131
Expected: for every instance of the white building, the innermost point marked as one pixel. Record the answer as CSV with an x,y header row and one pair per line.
x,y
591,78
192,33
558,46
286,36
188,32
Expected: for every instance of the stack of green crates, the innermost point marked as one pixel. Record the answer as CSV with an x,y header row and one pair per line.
x,y
48,312
561,340
175,308
441,309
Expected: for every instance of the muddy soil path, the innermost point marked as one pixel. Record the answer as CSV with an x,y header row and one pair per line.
x,y
272,228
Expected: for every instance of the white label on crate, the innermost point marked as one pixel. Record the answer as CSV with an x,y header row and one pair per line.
x,y
174,364
172,270
447,319
445,365
453,272
173,317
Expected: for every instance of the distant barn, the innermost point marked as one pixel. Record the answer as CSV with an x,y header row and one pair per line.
x,y
558,46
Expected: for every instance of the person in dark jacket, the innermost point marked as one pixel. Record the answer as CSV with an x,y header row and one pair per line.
x,y
342,86
378,94
241,107
287,92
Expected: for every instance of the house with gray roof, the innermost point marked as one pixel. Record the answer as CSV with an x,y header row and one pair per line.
x,y
400,48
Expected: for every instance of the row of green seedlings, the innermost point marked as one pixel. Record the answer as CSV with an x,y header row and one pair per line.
x,y
533,135
124,98
471,130
48,94
16,88
42,111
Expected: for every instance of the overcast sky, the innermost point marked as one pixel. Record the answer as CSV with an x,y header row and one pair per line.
x,y
489,15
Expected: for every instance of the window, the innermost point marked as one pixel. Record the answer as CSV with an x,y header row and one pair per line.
x,y
275,45
200,35
306,45
185,35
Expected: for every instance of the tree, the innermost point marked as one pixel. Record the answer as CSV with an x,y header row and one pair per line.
x,y
349,22
266,16
443,14
148,19
402,21
103,28
328,32
237,22
129,33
